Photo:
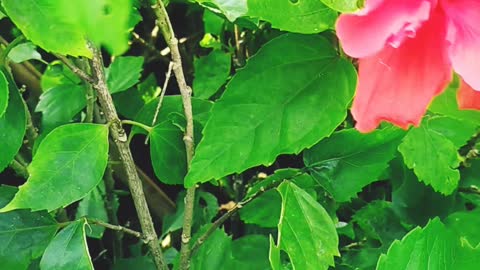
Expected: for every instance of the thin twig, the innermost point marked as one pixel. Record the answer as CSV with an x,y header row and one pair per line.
x,y
138,124
163,22
120,139
116,228
217,223
90,94
31,132
469,190
112,215
162,94
80,73
19,169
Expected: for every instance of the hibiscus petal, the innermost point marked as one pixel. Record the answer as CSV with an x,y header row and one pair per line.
x,y
365,33
397,85
464,34
467,97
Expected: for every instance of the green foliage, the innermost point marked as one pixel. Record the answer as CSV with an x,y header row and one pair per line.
x,y
465,224
214,253
104,22
93,207
60,104
169,159
446,104
345,5
18,229
232,9
432,156
3,94
23,52
344,171
434,247
166,145
249,128
263,211
68,164
12,124
124,73
282,179
71,243
57,74
305,231
306,17
211,72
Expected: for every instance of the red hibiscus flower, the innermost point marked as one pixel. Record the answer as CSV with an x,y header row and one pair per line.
x,y
407,50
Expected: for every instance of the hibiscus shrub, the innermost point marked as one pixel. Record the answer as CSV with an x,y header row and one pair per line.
x,y
249,134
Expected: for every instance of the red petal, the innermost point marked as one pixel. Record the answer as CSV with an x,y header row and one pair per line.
x,y
366,33
397,85
464,33
468,99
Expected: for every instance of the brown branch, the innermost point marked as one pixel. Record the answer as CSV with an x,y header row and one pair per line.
x,y
163,22
117,228
80,73
120,139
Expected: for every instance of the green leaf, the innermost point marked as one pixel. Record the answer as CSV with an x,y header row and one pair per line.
x,y
274,255
3,93
344,171
433,247
250,252
23,52
263,211
457,131
60,104
211,72
363,258
143,263
63,26
171,105
306,231
68,164
433,158
212,22
24,235
303,91
206,208
465,224
48,24
93,207
128,103
345,5
214,253
304,16
149,88
446,104
409,196
68,250
12,124
297,176
123,73
232,9
57,74
378,220
169,159
105,22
